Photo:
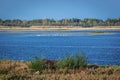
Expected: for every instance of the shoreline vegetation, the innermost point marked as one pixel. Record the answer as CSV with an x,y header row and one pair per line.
x,y
62,24
68,68
86,22
100,32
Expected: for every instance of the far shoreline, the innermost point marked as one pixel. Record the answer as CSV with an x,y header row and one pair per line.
x,y
58,28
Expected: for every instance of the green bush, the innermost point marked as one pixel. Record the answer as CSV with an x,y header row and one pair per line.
x,y
69,62
72,62
80,61
38,64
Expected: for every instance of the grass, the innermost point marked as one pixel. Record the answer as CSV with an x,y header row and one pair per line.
x,y
68,68
71,62
37,64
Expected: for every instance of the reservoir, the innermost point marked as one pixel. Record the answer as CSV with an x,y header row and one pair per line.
x,y
98,48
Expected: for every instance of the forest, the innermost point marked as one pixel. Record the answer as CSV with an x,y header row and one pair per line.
x,y
87,22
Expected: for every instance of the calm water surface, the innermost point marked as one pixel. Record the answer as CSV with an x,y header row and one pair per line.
x,y
25,45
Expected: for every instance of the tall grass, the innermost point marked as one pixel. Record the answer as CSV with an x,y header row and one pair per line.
x,y
80,61
72,62
69,62
37,64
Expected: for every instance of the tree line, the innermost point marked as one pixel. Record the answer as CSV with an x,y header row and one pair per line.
x,y
87,22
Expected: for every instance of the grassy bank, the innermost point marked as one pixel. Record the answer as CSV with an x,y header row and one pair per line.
x,y
68,68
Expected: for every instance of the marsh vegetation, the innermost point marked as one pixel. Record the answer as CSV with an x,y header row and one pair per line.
x,y
99,32
69,68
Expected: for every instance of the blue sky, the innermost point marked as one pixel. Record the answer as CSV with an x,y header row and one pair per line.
x,y
58,9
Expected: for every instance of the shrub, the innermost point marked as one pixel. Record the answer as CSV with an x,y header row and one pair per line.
x,y
37,64
71,62
80,61
67,62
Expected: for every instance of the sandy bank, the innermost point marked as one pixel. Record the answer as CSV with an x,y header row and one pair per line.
x,y
61,28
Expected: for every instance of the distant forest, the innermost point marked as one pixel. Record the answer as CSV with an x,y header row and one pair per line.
x,y
87,22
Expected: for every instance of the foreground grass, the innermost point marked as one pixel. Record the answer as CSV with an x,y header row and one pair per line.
x,y
69,68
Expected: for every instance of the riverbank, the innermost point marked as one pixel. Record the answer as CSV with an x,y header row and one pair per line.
x,y
61,28
18,70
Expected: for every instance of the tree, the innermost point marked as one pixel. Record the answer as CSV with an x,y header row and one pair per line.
x,y
87,22
1,21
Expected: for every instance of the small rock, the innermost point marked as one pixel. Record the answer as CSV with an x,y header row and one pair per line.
x,y
37,73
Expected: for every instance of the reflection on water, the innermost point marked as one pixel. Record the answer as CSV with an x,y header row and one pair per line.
x,y
25,45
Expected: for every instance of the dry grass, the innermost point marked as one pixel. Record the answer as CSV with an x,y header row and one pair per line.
x,y
9,69
17,70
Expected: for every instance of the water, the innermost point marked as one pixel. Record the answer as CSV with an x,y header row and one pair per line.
x,y
25,45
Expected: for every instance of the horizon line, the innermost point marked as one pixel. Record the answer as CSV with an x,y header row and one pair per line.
x,y
59,19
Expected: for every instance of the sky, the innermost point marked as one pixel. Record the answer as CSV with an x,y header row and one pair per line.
x,y
58,9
